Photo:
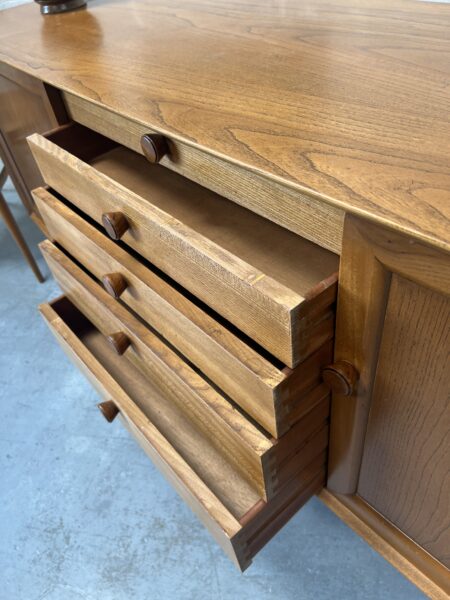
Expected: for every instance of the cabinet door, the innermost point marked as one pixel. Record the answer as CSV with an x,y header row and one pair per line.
x,y
390,439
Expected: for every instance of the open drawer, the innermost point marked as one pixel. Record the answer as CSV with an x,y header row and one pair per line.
x,y
240,521
267,464
269,282
274,395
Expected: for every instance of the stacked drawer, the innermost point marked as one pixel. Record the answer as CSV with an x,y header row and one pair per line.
x,y
202,324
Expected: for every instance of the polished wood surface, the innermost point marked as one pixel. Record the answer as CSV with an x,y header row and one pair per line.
x,y
234,435
427,573
115,224
290,207
389,440
136,398
271,393
212,247
115,284
154,147
25,109
371,256
218,494
119,342
109,410
340,377
406,461
346,100
266,463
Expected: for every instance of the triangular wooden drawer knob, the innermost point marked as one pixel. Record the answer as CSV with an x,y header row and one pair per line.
x,y
115,224
119,342
114,284
109,410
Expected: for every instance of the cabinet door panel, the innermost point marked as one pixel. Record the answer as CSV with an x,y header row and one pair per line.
x,y
390,439
405,469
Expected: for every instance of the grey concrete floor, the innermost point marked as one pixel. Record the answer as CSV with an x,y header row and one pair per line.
x,y
85,516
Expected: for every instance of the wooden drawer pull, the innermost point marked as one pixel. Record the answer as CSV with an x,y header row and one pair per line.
x,y
115,224
114,284
109,410
119,342
154,147
340,377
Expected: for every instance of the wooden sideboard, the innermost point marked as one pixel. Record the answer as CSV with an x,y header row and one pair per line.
x,y
248,207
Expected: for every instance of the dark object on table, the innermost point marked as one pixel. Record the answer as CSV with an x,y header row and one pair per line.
x,y
51,7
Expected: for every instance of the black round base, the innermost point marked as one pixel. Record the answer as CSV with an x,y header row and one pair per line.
x,y
52,7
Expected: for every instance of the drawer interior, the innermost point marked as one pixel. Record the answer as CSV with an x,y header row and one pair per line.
x,y
267,281
240,521
282,255
270,392
188,440
267,464
286,257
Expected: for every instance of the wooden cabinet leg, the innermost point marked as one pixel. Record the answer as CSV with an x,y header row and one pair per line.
x,y
16,233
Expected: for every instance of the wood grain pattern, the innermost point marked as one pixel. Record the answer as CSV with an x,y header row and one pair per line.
x,y
259,458
371,255
346,100
221,522
389,440
414,562
214,248
25,109
273,395
358,329
302,213
405,469
226,427
240,522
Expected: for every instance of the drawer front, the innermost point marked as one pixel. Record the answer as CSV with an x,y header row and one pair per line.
x,y
297,211
242,530
188,232
273,395
267,464
234,435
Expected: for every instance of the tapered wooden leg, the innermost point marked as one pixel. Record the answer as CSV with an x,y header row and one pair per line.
x,y
18,237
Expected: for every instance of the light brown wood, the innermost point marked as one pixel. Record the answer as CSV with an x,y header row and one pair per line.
x,y
389,440
260,458
358,331
221,522
416,564
371,255
214,248
406,460
215,491
303,213
343,100
234,435
25,109
273,395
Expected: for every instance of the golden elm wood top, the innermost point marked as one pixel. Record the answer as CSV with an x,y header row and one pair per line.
x,y
347,99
